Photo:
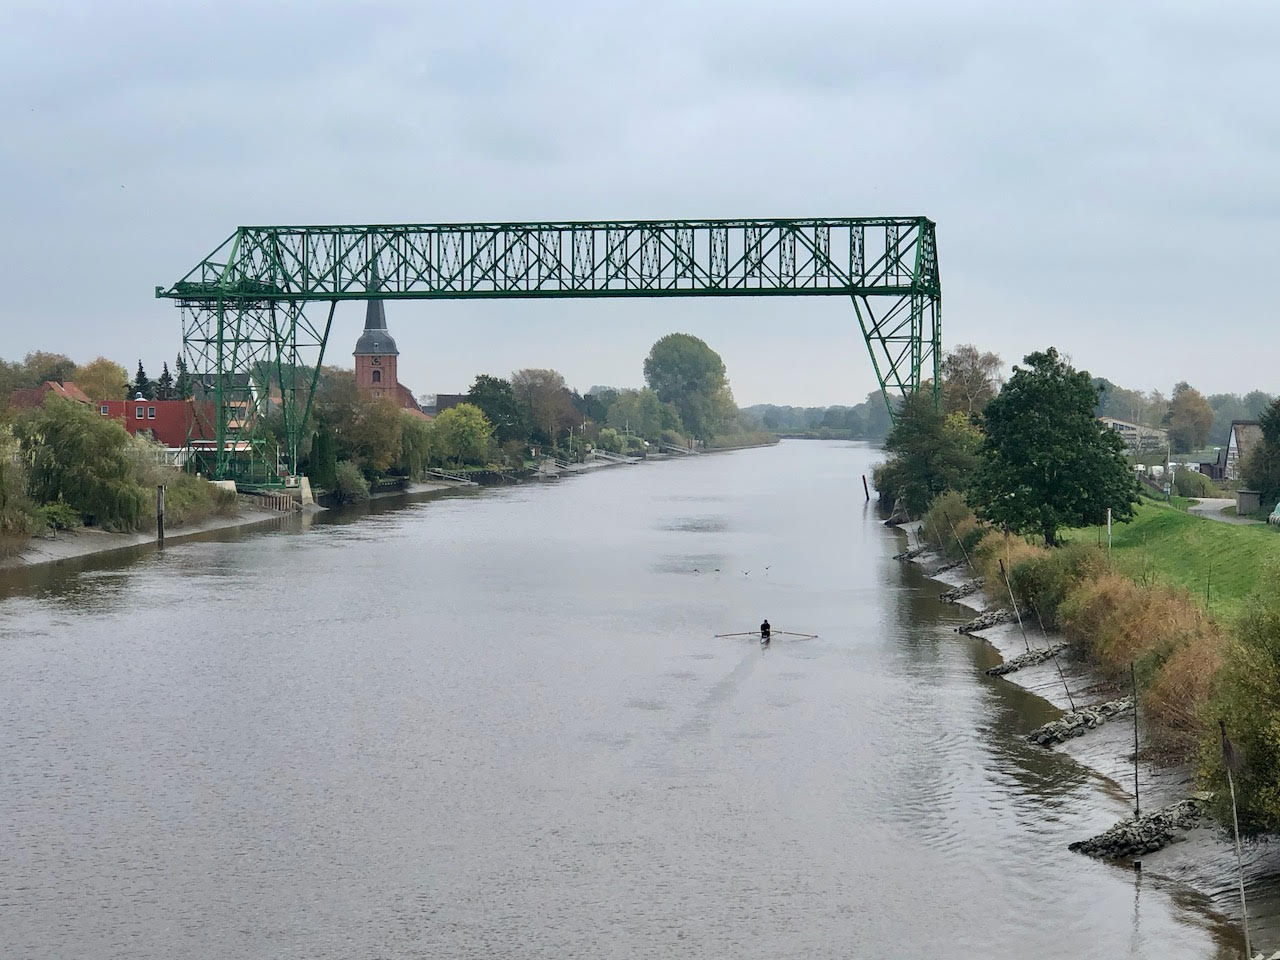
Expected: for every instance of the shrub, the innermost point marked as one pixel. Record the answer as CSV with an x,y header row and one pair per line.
x,y
58,516
1042,581
609,440
350,484
1192,483
947,521
994,547
1245,699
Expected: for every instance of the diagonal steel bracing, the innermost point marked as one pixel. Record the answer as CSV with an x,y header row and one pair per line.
x,y
249,340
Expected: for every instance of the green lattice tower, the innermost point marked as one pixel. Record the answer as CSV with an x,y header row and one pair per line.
x,y
247,335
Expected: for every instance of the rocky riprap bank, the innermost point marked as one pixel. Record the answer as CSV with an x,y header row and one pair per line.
x,y
1139,835
1026,660
956,594
1079,722
985,621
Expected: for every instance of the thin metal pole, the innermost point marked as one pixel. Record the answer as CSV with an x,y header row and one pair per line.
x,y
1244,906
1061,676
865,489
1133,679
1005,573
968,562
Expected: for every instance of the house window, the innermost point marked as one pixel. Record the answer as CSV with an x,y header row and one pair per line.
x,y
151,413
137,413
377,376
104,409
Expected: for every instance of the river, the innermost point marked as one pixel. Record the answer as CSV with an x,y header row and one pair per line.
x,y
499,724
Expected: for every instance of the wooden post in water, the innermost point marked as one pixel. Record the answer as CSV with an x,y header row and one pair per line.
x,y
864,487
160,514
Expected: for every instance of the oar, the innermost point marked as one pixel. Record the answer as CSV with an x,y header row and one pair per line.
x,y
788,633
748,633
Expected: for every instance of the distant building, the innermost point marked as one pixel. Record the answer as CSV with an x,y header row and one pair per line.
x,y
446,401
1243,437
1137,437
376,360
32,397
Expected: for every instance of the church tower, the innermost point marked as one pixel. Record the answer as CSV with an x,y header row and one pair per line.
x,y
376,352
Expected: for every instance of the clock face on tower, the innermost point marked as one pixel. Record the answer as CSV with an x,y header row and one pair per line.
x,y
375,360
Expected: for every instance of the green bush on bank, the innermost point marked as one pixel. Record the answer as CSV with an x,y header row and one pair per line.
x,y
1044,580
18,519
350,484
58,516
1246,700
1193,483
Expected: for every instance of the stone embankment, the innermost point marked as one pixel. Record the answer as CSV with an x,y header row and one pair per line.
x,y
1139,835
985,621
1026,660
1079,722
959,593
910,554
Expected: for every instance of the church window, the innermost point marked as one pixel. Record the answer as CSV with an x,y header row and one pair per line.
x,y
377,376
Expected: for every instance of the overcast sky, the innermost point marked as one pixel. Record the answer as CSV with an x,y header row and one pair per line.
x,y
1104,177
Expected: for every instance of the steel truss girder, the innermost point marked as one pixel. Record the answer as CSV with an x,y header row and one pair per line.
x,y
244,305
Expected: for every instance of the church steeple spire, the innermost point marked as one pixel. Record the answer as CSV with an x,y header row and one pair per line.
x,y
374,316
375,341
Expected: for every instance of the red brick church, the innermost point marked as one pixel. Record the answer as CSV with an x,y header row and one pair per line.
x,y
376,356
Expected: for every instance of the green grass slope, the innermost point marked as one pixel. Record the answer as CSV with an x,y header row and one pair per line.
x,y
1167,544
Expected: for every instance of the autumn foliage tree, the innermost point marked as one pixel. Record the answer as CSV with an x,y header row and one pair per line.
x,y
1189,420
970,378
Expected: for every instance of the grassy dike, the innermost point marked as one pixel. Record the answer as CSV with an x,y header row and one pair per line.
x,y
1166,545
1144,603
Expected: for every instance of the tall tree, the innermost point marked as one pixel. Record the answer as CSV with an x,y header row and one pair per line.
x,y
545,401
84,460
1256,403
142,384
1189,419
681,369
970,378
40,366
462,433
102,379
494,396
164,384
377,434
182,383
1046,462
1261,468
929,453
642,414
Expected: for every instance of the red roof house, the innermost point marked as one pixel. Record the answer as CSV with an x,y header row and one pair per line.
x,y
32,397
169,422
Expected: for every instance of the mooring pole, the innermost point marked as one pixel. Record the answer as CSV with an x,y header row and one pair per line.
x,y
1133,679
865,490
1005,573
160,514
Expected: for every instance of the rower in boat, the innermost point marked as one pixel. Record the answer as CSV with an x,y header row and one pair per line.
x,y
766,631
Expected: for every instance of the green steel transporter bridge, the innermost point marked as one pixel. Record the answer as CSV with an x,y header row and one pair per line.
x,y
256,313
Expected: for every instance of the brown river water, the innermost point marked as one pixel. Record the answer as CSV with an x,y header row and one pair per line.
x,y
499,724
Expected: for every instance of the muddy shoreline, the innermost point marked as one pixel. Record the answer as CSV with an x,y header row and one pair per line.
x,y
1194,855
